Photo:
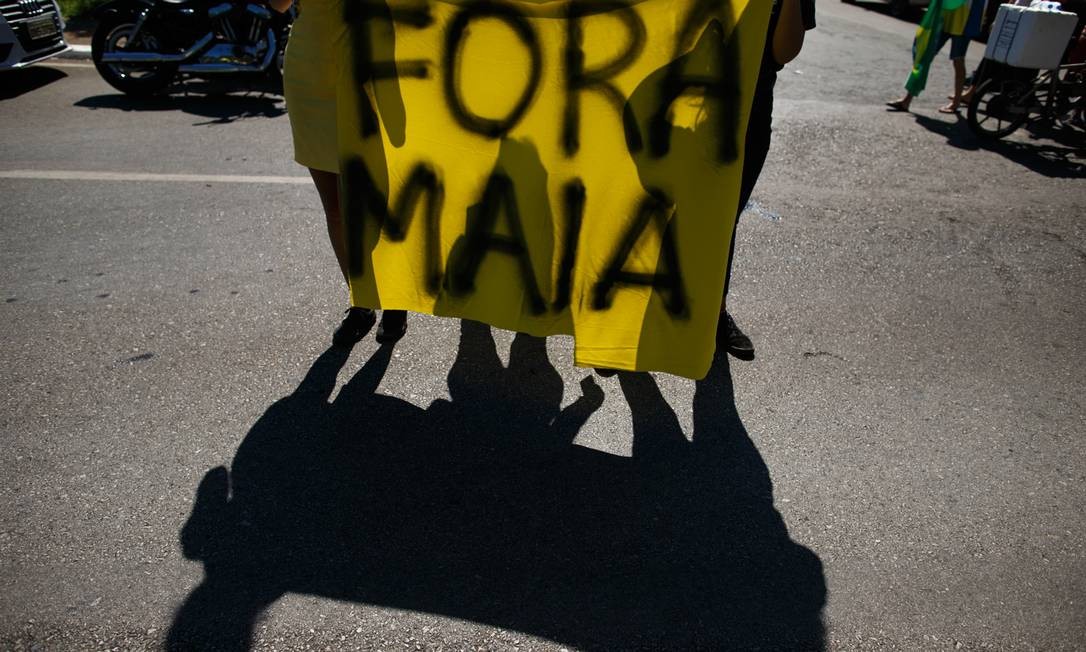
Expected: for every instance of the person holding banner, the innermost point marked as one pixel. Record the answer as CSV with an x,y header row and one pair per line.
x,y
788,22
309,86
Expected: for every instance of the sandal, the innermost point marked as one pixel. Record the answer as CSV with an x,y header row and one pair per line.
x,y
898,105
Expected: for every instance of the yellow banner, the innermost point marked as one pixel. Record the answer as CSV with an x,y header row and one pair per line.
x,y
550,167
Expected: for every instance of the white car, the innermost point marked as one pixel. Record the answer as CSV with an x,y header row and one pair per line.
x,y
30,30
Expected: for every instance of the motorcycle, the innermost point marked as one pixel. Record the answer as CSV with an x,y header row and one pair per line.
x,y
140,46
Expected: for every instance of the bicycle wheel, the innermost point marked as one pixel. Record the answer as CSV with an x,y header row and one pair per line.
x,y
999,106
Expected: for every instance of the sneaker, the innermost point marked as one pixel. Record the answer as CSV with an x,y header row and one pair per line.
x,y
732,339
355,325
393,326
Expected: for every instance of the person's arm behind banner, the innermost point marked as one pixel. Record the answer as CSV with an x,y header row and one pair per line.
x,y
788,36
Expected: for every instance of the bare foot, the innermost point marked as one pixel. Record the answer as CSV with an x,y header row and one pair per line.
x,y
949,108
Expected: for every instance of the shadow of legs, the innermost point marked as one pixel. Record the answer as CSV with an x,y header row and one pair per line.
x,y
480,509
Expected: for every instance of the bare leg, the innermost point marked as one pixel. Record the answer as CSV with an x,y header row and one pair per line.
x,y
359,320
328,188
959,78
959,84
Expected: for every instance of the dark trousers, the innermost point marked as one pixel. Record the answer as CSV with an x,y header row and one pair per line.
x,y
759,129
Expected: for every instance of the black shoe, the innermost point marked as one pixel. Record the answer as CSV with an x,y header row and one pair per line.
x,y
393,326
355,326
732,339
604,372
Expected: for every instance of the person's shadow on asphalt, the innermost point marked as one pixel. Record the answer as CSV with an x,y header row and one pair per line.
x,y
481,508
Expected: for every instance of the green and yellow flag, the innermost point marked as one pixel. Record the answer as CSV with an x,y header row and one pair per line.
x,y
550,167
943,18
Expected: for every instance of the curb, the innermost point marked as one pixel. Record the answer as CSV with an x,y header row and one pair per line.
x,y
76,52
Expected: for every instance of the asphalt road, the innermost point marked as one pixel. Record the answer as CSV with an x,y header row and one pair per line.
x,y
901,467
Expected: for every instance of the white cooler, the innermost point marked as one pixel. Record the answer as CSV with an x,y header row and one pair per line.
x,y
1030,38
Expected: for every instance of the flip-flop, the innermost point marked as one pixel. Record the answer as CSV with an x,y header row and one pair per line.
x,y
947,109
896,105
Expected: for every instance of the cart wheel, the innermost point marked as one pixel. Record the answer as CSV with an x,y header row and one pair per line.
x,y
1072,94
999,106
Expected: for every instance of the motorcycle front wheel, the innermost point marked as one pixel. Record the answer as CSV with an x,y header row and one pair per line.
x,y
138,79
